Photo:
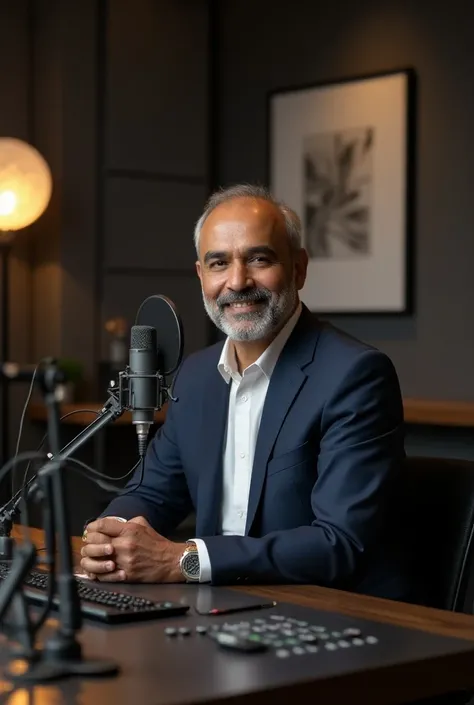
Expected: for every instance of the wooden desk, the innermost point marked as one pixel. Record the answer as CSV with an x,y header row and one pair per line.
x,y
155,668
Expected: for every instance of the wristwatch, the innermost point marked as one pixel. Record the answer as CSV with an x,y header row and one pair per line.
x,y
189,563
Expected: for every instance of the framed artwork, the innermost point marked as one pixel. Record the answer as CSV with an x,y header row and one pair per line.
x,y
341,154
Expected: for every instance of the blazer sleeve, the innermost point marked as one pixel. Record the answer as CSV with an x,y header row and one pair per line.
x,y
158,490
361,449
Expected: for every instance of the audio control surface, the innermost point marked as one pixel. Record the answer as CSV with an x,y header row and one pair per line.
x,y
288,636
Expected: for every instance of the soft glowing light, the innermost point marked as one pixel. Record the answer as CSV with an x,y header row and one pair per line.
x,y
8,202
25,184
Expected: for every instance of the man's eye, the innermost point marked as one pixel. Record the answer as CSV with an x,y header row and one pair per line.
x,y
217,264
260,259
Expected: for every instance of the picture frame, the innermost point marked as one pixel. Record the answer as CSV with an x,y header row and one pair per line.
x,y
341,154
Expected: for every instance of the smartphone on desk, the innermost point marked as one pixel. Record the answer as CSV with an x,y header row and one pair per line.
x,y
216,601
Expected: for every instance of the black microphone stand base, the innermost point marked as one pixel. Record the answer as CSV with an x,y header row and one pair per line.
x,y
20,671
7,545
65,652
46,665
36,670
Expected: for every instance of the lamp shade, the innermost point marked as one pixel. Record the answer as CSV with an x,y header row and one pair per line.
x,y
25,184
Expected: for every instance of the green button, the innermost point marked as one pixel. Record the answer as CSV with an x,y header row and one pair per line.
x,y
255,637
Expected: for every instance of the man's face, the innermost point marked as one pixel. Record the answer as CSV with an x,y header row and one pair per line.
x,y
249,274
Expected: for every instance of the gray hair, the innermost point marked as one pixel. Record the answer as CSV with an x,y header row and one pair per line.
x,y
292,220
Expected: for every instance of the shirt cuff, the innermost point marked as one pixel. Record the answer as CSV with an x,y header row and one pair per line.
x,y
205,574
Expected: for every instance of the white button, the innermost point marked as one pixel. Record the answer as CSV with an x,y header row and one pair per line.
x,y
241,514
242,455
244,398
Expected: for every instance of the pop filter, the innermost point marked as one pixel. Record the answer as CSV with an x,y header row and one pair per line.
x,y
160,312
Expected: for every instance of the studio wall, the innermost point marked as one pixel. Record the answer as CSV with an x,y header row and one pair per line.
x,y
263,46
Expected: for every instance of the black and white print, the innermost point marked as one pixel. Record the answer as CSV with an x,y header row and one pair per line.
x,y
337,193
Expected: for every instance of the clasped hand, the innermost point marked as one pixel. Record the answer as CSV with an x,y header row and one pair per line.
x,y
133,551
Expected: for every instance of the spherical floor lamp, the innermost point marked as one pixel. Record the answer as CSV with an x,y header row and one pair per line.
x,y
25,191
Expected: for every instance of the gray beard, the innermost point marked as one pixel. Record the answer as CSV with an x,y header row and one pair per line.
x,y
259,324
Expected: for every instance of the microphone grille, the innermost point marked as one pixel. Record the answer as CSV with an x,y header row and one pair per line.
x,y
143,337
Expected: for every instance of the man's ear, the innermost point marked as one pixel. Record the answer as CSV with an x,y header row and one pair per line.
x,y
198,269
301,268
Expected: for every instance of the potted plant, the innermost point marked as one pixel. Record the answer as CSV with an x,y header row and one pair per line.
x,y
74,373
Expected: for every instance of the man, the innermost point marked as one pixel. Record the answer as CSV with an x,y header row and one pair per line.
x,y
285,439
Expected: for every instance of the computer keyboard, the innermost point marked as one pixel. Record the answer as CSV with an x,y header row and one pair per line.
x,y
113,607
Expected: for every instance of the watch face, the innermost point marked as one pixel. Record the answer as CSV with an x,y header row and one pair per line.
x,y
190,565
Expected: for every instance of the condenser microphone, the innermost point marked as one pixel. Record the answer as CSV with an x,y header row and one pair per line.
x,y
143,381
160,312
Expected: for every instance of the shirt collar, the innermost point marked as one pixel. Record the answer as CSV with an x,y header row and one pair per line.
x,y
227,364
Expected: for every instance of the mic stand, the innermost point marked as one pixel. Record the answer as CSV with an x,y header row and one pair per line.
x,y
120,399
112,410
61,655
12,596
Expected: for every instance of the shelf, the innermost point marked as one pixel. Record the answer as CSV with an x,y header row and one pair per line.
x,y
37,412
417,411
439,413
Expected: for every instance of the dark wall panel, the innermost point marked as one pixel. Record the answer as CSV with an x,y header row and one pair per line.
x,y
15,56
157,86
65,128
16,121
155,164
150,224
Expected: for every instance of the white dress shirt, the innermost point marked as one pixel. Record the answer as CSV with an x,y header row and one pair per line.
x,y
247,397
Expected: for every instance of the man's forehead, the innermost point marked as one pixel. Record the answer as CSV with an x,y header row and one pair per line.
x,y
243,218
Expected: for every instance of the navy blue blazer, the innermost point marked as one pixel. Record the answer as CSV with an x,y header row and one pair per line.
x,y
330,444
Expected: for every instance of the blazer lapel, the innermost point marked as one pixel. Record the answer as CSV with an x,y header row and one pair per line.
x,y
286,381
213,427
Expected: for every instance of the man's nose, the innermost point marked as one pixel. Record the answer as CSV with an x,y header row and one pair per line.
x,y
239,277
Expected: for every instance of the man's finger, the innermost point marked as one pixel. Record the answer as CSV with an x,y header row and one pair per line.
x,y
97,567
139,520
118,576
106,525
95,537
96,550
82,575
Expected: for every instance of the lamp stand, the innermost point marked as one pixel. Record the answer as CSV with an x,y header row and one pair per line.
x,y
5,248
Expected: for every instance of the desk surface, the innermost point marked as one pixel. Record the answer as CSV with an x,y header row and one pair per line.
x,y
157,671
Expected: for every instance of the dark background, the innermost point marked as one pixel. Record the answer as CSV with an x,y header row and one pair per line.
x,y
141,108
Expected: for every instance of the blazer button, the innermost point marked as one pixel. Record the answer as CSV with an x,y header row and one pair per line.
x,y
237,579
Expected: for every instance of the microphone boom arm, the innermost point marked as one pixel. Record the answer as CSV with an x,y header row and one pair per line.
x,y
111,410
120,400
